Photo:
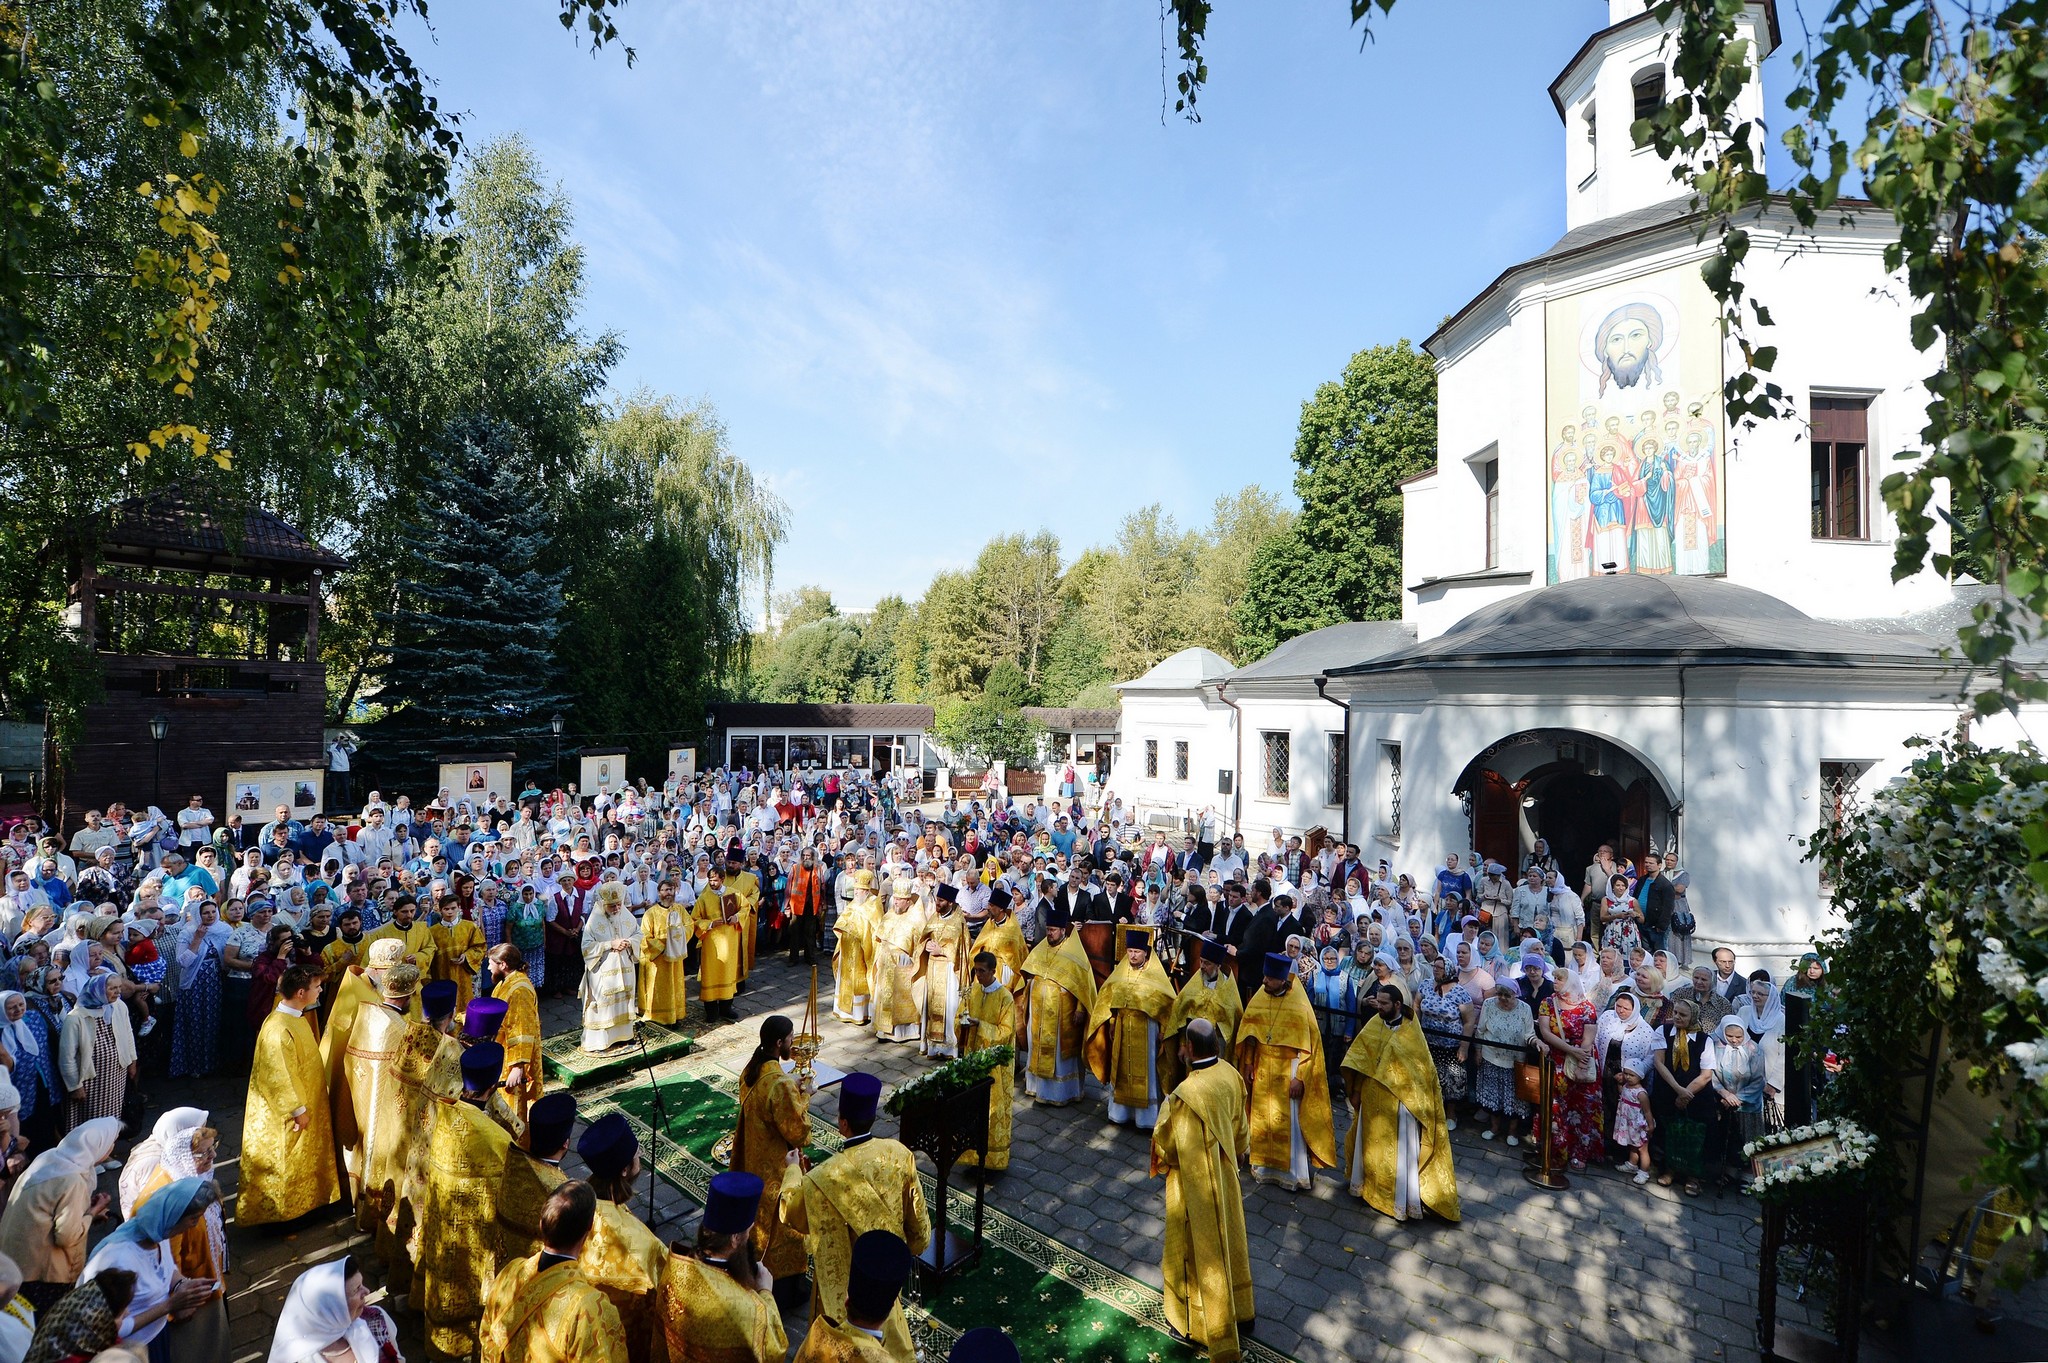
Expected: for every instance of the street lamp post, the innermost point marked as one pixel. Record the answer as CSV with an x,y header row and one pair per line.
x,y
710,724
159,730
556,722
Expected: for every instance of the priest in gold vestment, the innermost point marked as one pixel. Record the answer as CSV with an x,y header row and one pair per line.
x,y
1127,1032
1200,1142
622,1258
358,987
532,1175
1398,1153
459,1225
346,950
853,947
519,1033
715,918
715,1305
458,950
898,957
426,1059
1207,994
746,891
542,1309
415,937
665,928
1001,935
944,974
381,1125
988,1020
1280,1055
1058,997
287,1140
879,1264
774,1119
871,1184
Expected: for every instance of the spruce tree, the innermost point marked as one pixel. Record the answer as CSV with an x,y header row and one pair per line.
x,y
472,665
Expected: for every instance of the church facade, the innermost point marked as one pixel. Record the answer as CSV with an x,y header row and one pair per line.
x,y
1627,620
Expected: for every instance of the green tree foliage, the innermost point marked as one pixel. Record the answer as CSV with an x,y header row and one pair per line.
x,y
1016,583
1075,658
472,665
1241,524
1142,600
991,727
1360,436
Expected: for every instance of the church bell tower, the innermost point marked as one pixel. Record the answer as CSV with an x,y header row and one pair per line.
x,y
1621,74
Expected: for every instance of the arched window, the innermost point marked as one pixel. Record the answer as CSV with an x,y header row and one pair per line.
x,y
1649,91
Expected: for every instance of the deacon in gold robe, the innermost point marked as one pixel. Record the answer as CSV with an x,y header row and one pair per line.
x,y
715,918
622,1258
989,1020
427,1044
359,987
1199,1144
458,950
1207,994
715,1305
879,1266
519,1033
610,980
345,951
774,1119
1280,1055
746,890
405,929
549,1312
945,971
1001,935
459,1225
532,1175
1058,998
287,1142
1398,1153
898,962
664,950
871,1184
1126,1047
381,1126
853,950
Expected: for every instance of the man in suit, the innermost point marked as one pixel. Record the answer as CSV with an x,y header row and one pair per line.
x,y
1188,860
1262,936
1083,898
1123,905
1348,865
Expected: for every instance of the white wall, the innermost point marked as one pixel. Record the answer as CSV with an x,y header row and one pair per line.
x,y
1310,724
1168,717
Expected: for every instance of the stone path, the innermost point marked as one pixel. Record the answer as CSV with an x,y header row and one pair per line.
x,y
1599,1273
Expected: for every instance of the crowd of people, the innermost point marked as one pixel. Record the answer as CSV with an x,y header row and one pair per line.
x,y
379,977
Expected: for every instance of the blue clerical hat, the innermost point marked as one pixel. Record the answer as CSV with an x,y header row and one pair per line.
x,y
1214,951
437,998
1278,965
734,1200
548,1123
481,1066
858,1095
483,1017
880,1266
608,1145
983,1344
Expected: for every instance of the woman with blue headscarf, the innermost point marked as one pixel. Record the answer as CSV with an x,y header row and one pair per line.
x,y
96,1050
142,1245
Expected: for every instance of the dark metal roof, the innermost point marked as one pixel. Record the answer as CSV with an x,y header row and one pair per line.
x,y
1635,621
171,520
1066,719
1648,17
1314,654
893,718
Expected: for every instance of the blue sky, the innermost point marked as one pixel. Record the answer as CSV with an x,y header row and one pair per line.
x,y
945,273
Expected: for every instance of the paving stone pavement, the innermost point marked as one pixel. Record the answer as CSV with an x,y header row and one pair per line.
x,y
1599,1273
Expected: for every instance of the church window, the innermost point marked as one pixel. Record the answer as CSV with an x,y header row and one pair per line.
x,y
1180,759
1151,759
1489,482
1838,794
1841,443
1340,771
1649,91
1273,763
1390,764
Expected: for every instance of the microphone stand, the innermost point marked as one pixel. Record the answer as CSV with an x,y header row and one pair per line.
x,y
656,1126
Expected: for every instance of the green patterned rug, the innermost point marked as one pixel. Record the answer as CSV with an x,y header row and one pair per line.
x,y
1059,1305
568,1063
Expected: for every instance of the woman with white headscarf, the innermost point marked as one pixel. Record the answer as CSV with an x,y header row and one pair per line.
x,y
1762,1015
327,1319
200,1252
145,1158
52,1209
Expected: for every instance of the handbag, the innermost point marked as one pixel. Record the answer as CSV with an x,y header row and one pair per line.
x,y
1529,1082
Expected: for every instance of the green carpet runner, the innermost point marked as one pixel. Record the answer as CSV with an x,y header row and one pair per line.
x,y
1059,1305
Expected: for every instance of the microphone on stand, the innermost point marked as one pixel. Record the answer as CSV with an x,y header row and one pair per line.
x,y
656,1126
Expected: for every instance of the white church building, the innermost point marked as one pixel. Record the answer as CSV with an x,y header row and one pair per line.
x,y
1623,619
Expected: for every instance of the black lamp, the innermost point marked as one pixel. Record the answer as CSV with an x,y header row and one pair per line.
x,y
159,729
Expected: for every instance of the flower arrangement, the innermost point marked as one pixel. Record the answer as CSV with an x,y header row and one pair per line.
x,y
1840,1153
942,1082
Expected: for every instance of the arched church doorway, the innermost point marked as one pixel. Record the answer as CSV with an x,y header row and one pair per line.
x,y
1574,790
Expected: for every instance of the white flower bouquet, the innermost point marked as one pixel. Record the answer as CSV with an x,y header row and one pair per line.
x,y
1811,1158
